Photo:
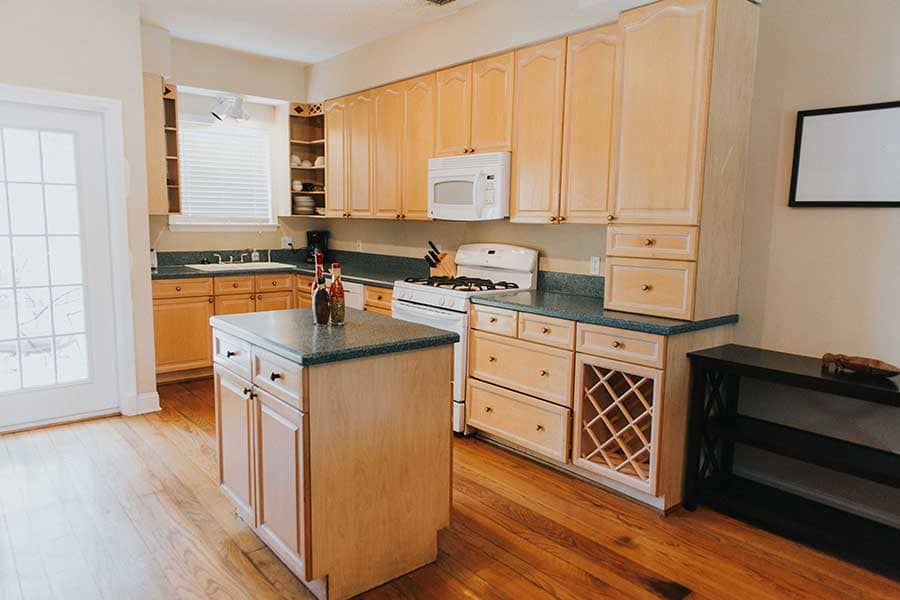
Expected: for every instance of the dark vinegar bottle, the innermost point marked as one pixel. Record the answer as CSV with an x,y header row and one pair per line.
x,y
321,303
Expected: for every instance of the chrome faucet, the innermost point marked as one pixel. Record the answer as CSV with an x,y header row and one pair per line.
x,y
219,257
243,254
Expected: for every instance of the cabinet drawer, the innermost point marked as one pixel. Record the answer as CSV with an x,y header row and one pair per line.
x,y
378,297
274,283
648,241
495,320
233,285
654,287
523,366
547,330
304,284
620,344
525,421
232,353
280,377
182,288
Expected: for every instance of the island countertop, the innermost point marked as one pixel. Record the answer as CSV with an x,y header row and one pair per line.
x,y
293,335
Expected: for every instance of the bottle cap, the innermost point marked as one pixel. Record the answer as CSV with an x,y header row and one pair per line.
x,y
335,265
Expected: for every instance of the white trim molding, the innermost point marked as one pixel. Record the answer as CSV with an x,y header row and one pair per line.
x,y
144,403
110,110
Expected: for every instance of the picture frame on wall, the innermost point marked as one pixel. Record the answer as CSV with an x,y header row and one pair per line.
x,y
847,157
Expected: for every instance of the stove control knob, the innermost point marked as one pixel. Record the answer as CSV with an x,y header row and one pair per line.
x,y
443,302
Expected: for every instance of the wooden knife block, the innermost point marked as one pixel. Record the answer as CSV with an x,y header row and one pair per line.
x,y
446,268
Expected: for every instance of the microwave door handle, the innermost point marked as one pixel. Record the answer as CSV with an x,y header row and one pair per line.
x,y
480,180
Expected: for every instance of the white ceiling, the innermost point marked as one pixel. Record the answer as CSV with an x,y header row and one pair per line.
x,y
301,30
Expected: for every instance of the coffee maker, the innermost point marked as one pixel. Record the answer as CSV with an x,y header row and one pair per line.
x,y
317,241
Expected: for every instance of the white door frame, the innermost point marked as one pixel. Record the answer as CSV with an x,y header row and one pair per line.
x,y
110,111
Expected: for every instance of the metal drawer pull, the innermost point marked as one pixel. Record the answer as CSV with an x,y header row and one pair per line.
x,y
234,285
544,373
492,320
649,242
488,409
617,344
492,359
646,287
274,284
274,376
247,391
177,289
230,353
545,330
539,428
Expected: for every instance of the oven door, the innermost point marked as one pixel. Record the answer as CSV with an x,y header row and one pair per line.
x,y
456,195
448,321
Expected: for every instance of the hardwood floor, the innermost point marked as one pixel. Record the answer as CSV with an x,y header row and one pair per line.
x,y
124,508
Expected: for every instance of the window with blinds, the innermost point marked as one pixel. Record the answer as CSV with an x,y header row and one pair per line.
x,y
225,175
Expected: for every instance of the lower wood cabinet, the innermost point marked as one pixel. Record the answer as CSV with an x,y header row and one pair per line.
x,y
235,423
274,301
182,334
232,305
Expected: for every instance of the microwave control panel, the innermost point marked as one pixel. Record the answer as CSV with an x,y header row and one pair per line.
x,y
489,193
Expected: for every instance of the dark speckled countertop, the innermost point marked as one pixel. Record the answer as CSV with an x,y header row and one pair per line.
x,y
378,276
587,309
293,335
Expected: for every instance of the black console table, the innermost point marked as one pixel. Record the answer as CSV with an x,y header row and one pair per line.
x,y
716,426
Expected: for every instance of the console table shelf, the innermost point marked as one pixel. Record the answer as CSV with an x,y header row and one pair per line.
x,y
716,426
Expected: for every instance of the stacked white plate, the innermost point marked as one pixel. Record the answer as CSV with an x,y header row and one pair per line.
x,y
304,205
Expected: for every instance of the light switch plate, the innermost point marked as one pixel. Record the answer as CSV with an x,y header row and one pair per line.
x,y
595,265
359,245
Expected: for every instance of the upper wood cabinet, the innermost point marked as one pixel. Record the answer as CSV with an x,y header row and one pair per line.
x,y
359,157
493,85
387,144
537,126
663,99
453,122
418,144
588,165
335,149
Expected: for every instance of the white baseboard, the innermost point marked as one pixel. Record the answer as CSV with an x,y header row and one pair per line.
x,y
146,402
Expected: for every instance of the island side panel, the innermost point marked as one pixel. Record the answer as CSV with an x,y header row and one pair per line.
x,y
380,435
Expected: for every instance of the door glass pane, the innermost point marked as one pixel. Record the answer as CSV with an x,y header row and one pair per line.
x,y
58,154
62,209
23,155
38,367
453,193
43,329
71,358
30,260
65,260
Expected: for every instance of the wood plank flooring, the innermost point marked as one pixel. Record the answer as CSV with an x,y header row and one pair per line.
x,y
124,508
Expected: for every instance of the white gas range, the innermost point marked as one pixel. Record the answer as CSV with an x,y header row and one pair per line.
x,y
443,302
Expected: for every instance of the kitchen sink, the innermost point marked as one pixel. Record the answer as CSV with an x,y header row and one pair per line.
x,y
250,266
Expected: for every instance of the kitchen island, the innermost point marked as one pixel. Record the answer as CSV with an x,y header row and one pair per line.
x,y
334,443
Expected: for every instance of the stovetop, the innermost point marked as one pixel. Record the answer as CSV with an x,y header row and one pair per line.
x,y
462,284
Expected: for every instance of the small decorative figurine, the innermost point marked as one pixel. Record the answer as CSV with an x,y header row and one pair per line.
x,y
860,364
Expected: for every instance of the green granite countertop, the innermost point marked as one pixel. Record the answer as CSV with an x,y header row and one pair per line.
x,y
588,309
293,335
377,276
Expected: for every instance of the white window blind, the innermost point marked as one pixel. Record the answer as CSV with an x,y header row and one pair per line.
x,y
225,175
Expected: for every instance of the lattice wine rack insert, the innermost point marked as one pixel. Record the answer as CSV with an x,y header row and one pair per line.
x,y
617,420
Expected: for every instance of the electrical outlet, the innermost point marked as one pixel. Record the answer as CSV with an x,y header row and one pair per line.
x,y
286,241
359,245
595,265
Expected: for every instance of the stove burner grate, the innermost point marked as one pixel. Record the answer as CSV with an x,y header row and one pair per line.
x,y
463,284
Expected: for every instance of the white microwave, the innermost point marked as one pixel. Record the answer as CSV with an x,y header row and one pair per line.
x,y
472,187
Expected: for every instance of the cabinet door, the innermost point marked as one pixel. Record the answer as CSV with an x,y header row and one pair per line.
x,y
274,301
387,140
453,124
182,333
234,305
418,145
588,131
282,481
234,440
336,151
537,148
359,166
492,103
617,421
154,126
663,100
303,300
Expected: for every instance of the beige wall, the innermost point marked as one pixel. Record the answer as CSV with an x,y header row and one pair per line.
x,y
92,47
820,280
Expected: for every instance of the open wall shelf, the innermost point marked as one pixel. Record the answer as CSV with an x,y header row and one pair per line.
x,y
307,143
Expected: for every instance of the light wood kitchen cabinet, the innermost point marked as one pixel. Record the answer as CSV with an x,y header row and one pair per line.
x,y
453,122
274,301
235,423
667,50
387,151
335,149
493,86
656,287
235,304
417,144
359,155
182,334
282,481
304,291
154,126
588,166
537,143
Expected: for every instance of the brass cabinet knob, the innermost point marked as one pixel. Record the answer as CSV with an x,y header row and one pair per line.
x,y
379,297
646,287
539,428
553,219
492,320
610,218
562,219
402,216
274,284
211,299
545,330
488,409
492,359
177,289
617,344
234,285
259,297
544,373
649,242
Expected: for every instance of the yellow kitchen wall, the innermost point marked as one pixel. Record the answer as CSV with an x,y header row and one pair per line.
x,y
93,47
819,280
